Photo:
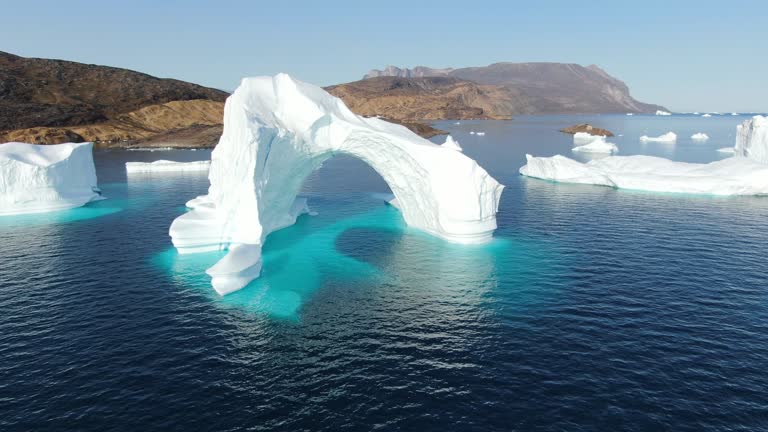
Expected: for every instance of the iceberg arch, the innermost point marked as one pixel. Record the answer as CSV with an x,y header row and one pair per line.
x,y
277,131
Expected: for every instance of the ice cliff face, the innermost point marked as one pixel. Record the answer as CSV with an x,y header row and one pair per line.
x,y
277,131
42,178
752,139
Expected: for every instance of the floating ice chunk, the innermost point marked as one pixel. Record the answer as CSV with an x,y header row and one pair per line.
x,y
42,178
451,143
588,143
166,166
700,136
734,114
277,131
472,132
707,115
752,139
663,113
480,133
597,146
629,114
668,137
457,123
730,150
733,176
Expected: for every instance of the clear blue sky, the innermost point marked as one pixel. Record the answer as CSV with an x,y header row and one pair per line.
x,y
687,55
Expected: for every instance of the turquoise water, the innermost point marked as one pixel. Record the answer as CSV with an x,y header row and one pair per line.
x,y
593,308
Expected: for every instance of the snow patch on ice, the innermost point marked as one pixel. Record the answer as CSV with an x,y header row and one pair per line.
x,y
277,131
668,137
452,144
42,178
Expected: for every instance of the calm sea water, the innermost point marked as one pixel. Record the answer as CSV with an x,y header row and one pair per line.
x,y
594,308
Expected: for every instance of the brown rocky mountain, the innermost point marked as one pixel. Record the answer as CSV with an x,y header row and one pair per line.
x,y
49,101
545,87
430,98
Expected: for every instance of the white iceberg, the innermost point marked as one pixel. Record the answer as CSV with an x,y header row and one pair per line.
x,y
733,176
744,174
700,136
663,113
752,139
480,134
707,115
668,137
166,166
630,114
734,114
42,178
277,131
587,143
472,132
452,144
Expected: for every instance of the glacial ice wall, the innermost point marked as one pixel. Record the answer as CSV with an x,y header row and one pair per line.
x,y
277,131
42,178
752,139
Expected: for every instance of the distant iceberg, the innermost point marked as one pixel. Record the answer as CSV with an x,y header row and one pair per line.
x,y
166,166
707,115
668,137
734,114
587,143
700,136
733,176
629,114
744,174
480,133
663,113
42,178
452,144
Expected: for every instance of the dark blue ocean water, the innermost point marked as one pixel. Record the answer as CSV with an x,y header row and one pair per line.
x,y
594,308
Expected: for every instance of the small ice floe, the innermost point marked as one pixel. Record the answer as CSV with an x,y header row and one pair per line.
x,y
471,132
452,144
707,115
480,133
586,143
668,137
700,136
663,113
166,166
629,114
729,150
734,114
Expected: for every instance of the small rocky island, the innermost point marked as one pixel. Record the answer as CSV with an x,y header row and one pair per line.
x,y
587,128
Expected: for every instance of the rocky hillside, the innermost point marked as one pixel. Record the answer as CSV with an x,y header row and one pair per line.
x,y
430,98
50,101
543,88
